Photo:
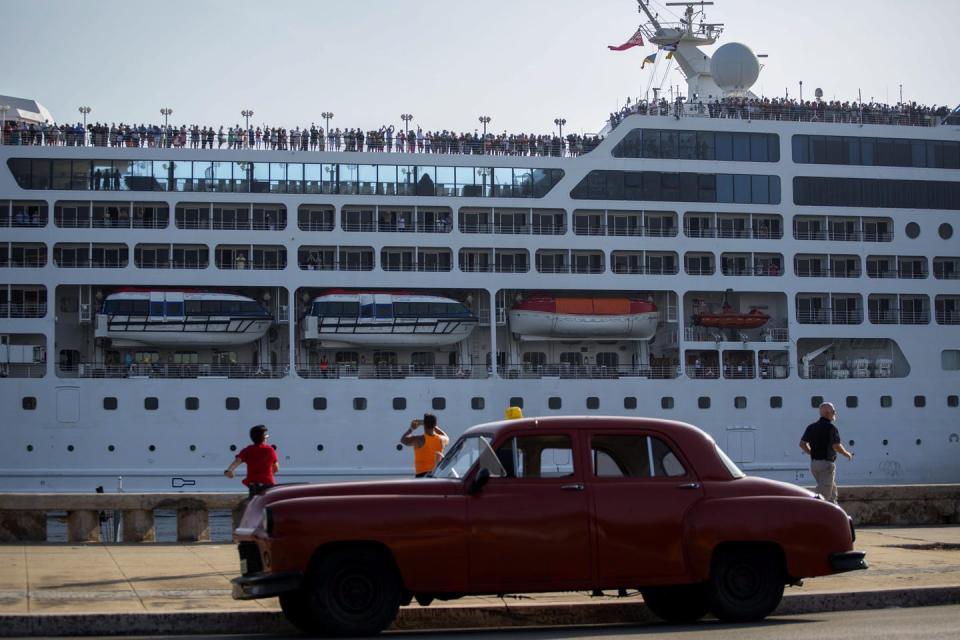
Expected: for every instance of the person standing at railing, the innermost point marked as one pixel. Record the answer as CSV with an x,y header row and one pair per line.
x,y
261,460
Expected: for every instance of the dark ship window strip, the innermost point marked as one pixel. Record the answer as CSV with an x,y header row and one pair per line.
x,y
678,187
699,145
283,177
876,152
876,194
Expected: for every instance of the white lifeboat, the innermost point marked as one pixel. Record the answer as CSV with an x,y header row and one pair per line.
x,y
179,319
387,320
567,318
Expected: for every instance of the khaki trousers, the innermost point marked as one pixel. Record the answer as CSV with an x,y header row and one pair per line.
x,y
825,473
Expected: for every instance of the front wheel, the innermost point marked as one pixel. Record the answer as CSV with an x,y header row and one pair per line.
x,y
355,593
297,610
746,584
678,604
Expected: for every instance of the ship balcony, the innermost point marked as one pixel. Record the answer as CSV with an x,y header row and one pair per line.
x,y
391,371
566,370
696,333
830,316
23,310
171,370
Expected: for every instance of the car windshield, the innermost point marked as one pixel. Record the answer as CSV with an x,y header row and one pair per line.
x,y
728,463
464,454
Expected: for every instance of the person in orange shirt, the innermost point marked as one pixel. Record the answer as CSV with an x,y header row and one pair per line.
x,y
428,448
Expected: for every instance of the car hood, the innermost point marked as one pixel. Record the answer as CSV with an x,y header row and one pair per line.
x,y
752,486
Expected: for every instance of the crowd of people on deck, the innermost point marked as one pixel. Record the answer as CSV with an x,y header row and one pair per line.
x,y
908,114
313,138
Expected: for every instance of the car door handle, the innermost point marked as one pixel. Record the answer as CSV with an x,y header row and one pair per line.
x,y
577,486
689,485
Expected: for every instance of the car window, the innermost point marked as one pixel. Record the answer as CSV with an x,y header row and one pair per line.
x,y
467,451
540,456
633,456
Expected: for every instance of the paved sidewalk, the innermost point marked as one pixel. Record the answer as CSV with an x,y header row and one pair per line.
x,y
45,583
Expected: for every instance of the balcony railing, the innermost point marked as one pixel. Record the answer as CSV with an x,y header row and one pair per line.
x,y
843,236
696,333
392,371
584,371
514,229
15,310
830,316
167,370
948,317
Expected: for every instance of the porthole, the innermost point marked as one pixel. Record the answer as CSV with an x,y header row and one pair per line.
x,y
152,448
816,401
273,404
399,447
953,401
29,403
111,448
740,402
776,402
193,447
399,404
666,402
919,401
703,402
69,447
852,402
554,403
191,404
886,401
439,404
477,403
319,404
29,447
109,404
918,442
913,230
233,447
593,403
359,447
319,447
851,443
232,404
885,442
359,404
516,402
151,404
630,402
945,230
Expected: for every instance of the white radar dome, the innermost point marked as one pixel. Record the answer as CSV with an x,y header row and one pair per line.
x,y
734,67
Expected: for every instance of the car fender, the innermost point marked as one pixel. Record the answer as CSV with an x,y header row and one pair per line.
x,y
806,530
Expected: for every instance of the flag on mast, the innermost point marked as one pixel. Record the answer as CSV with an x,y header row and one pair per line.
x,y
650,58
636,40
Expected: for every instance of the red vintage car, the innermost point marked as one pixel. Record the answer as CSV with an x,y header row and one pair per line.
x,y
544,504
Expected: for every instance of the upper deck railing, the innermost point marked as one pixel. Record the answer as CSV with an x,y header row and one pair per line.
x,y
779,109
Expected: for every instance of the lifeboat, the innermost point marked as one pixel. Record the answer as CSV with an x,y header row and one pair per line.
x,y
387,320
563,318
180,319
727,318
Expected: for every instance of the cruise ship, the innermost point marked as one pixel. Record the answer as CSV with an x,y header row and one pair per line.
x,y
710,261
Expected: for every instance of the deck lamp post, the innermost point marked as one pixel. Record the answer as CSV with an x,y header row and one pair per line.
x,y
560,122
3,120
165,112
484,120
406,117
327,115
247,113
84,110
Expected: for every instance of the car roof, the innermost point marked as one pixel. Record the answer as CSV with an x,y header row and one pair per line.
x,y
695,444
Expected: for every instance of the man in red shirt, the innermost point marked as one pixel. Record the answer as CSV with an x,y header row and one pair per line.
x,y
261,461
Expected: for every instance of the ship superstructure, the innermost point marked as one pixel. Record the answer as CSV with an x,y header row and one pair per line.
x,y
727,271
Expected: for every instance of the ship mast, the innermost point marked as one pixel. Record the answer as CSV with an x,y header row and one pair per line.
x,y
688,36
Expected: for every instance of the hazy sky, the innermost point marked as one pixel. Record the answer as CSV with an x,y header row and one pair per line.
x,y
522,62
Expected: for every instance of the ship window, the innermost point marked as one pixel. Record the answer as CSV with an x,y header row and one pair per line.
x,y
109,404
950,359
554,403
913,230
593,403
740,402
945,231
399,404
852,402
776,402
666,402
319,404
233,404
703,402
439,404
273,403
919,401
886,401
477,403
516,402
29,403
359,404
151,404
953,401
191,403
816,401
630,402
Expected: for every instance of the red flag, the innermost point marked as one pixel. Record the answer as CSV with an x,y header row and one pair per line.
x,y
636,40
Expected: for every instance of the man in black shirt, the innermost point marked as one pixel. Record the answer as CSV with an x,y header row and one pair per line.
x,y
821,441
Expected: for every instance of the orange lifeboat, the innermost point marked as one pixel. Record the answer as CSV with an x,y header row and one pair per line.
x,y
727,318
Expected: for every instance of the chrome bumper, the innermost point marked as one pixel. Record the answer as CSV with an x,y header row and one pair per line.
x,y
848,561
265,585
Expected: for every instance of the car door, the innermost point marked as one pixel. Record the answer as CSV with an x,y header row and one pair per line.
x,y
641,487
530,529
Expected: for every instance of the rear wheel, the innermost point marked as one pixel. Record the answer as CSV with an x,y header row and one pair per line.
x,y
746,583
355,593
678,604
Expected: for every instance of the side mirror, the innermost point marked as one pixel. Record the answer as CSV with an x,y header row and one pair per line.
x,y
482,478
